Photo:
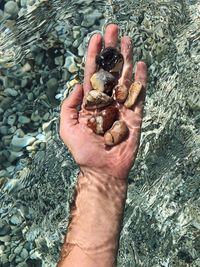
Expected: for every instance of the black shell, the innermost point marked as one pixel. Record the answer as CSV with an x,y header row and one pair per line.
x,y
108,58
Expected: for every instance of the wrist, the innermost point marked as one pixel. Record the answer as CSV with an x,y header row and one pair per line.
x,y
106,173
96,217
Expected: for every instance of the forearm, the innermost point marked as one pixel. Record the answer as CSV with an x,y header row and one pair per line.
x,y
95,223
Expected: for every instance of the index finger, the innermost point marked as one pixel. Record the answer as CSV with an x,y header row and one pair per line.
x,y
94,48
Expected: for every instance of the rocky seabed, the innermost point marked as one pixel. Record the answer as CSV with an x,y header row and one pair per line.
x,y
42,52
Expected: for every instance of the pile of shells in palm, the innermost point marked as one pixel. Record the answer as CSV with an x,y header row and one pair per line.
x,y
107,95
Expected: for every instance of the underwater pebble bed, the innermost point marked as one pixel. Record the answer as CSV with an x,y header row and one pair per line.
x,y
37,173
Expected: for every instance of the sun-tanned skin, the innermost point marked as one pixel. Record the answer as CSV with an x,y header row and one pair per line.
x,y
96,217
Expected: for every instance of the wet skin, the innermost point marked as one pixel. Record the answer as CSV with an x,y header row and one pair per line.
x,y
96,216
85,146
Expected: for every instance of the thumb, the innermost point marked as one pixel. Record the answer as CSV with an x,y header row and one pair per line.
x,y
69,113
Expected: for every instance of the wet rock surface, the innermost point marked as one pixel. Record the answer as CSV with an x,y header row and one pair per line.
x,y
37,176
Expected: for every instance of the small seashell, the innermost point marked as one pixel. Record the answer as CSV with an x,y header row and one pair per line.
x,y
103,81
103,121
116,134
120,93
134,91
96,99
109,59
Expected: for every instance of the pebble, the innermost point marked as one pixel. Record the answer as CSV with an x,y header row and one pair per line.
x,y
70,64
18,249
52,84
30,96
5,238
59,61
23,3
23,119
12,9
31,2
12,130
81,50
46,116
16,219
24,253
6,139
1,15
11,119
4,130
14,155
91,19
35,117
20,142
5,228
11,92
5,103
27,67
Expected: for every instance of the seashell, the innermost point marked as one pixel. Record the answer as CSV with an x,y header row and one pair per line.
x,y
103,121
110,59
134,91
103,81
120,93
96,99
116,134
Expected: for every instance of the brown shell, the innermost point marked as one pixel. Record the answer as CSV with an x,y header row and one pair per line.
x,y
116,134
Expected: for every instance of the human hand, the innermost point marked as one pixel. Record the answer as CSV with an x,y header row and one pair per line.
x,y
87,148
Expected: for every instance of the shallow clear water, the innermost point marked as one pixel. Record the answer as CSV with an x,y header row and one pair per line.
x,y
162,217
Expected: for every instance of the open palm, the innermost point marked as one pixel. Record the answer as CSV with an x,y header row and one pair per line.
x,y
87,148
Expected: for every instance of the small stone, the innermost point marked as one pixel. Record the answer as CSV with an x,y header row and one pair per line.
x,y
24,82
81,51
5,238
77,42
2,248
23,119
39,58
20,142
52,84
6,139
4,130
30,96
24,253
35,117
91,19
1,15
59,61
5,228
31,2
11,92
70,64
11,119
12,9
26,67
23,3
76,33
46,116
12,130
5,103
16,219
14,155
18,249
4,259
